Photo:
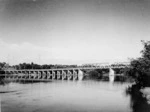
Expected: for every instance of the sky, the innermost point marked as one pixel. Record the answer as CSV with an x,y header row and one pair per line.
x,y
72,31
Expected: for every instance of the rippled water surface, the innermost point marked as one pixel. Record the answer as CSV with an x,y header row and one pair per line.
x,y
65,96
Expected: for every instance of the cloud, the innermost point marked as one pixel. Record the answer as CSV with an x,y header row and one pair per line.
x,y
28,52
25,52
73,53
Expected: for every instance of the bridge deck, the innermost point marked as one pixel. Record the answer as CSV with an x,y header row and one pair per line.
x,y
78,68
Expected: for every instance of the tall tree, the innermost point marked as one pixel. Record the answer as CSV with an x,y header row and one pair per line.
x,y
140,67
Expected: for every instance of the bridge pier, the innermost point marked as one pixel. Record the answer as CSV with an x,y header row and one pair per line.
x,y
64,75
26,75
43,75
36,75
58,75
69,75
49,76
39,75
75,75
80,75
111,75
53,75
30,75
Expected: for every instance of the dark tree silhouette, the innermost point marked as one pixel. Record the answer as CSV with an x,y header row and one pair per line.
x,y
140,67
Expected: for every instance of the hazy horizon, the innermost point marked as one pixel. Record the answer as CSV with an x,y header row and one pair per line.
x,y
72,31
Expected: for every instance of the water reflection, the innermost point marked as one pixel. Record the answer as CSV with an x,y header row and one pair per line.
x,y
66,96
138,101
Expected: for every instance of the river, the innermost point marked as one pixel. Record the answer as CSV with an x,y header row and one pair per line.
x,y
65,96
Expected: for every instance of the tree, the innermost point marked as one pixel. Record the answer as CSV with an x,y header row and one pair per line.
x,y
140,67
2,65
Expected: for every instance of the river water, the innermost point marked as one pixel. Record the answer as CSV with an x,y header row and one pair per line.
x,y
65,96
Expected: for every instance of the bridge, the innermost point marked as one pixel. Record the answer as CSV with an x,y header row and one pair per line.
x,y
76,73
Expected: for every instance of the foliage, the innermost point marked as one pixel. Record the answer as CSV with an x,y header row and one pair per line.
x,y
2,65
37,66
140,67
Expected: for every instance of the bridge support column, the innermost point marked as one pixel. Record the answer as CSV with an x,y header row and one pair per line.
x,y
43,75
69,75
26,74
58,75
36,74
111,75
29,74
64,75
75,75
49,76
39,75
80,75
53,75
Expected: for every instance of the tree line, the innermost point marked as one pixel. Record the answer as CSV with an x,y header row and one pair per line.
x,y
4,65
140,67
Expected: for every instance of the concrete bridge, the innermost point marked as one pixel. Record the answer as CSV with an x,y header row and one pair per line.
x,y
57,74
